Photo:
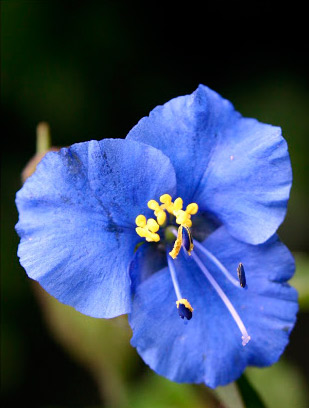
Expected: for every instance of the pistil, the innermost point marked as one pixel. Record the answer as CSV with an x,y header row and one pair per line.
x,y
245,336
216,261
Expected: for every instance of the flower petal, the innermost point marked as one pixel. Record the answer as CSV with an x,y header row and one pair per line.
x,y
248,180
208,348
148,259
235,168
77,220
185,129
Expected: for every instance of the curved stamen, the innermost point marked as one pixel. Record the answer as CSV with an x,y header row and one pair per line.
x,y
217,263
184,308
245,336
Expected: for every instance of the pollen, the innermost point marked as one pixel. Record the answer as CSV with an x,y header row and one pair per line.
x,y
184,309
177,244
164,211
158,211
192,208
147,229
141,221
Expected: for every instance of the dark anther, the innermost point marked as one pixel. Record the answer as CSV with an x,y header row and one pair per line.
x,y
186,239
241,275
184,312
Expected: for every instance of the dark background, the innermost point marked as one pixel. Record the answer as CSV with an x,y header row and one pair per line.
x,y
92,70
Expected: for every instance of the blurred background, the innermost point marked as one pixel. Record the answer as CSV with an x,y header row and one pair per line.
x,y
92,70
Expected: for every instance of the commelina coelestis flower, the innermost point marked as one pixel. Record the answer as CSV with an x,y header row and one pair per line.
x,y
176,226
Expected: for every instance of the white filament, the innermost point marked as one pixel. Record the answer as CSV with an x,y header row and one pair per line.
x,y
174,277
217,263
245,336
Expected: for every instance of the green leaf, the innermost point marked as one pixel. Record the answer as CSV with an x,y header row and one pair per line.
x,y
155,391
101,345
250,396
281,385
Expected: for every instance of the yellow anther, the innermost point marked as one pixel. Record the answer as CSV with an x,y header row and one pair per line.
x,y
166,199
141,232
148,228
182,216
152,237
192,208
152,225
167,203
178,203
140,220
153,205
177,244
185,303
161,217
188,223
145,233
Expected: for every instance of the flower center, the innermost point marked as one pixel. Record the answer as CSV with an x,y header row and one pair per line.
x,y
148,229
168,214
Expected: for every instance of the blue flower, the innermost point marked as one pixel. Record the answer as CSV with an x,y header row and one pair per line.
x,y
175,225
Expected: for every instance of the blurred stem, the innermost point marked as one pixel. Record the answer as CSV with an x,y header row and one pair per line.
x,y
111,387
229,396
250,396
43,138
43,145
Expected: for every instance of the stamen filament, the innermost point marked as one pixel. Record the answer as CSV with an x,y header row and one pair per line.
x,y
172,270
183,306
245,336
217,263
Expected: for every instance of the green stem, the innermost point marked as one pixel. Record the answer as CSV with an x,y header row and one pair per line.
x,y
43,139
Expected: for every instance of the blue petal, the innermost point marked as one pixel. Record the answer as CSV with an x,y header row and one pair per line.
x,y
248,180
186,129
148,259
235,168
77,220
208,348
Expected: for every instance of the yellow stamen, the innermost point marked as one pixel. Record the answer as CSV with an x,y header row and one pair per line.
x,y
148,228
166,199
185,303
177,244
140,220
182,217
152,225
192,208
178,203
167,203
161,217
153,205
